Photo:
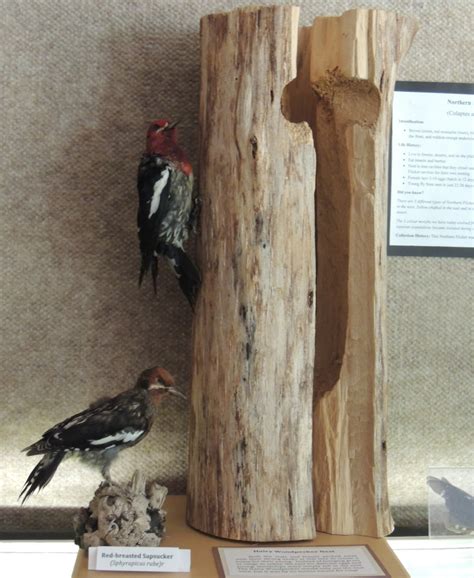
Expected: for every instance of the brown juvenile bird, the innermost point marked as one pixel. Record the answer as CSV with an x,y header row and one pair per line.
x,y
100,432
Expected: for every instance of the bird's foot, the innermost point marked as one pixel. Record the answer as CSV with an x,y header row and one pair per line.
x,y
106,475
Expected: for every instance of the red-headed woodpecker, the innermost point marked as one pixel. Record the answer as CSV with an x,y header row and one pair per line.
x,y
165,185
100,432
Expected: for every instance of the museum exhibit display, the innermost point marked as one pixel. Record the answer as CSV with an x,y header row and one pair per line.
x,y
325,364
349,112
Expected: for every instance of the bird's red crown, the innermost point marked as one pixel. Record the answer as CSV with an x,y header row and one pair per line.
x,y
161,137
162,140
155,376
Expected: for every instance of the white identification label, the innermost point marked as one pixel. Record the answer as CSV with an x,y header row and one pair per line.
x,y
310,562
122,559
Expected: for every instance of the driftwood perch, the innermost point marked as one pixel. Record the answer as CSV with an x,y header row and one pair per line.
x,y
253,346
346,77
129,515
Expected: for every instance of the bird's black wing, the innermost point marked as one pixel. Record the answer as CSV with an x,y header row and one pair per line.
x,y
115,422
153,183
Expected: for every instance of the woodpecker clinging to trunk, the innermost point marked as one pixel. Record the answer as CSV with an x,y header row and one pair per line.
x,y
165,185
98,434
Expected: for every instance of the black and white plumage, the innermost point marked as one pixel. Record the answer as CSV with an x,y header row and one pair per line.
x,y
98,433
165,186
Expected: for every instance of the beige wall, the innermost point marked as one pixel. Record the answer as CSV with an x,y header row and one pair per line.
x,y
80,81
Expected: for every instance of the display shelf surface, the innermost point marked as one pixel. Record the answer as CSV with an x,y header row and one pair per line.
x,y
201,545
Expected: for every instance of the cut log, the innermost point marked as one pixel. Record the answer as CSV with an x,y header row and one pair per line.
x,y
253,338
349,63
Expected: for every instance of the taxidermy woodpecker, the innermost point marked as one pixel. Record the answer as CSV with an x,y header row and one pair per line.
x,y
165,209
99,433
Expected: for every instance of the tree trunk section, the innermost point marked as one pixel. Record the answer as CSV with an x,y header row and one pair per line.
x,y
349,64
250,468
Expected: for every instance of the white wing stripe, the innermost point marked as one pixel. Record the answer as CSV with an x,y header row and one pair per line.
x,y
121,436
71,423
157,190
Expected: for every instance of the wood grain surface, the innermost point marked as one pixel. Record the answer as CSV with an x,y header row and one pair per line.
x,y
344,89
253,346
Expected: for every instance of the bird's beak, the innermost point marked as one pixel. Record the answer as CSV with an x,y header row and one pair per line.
x,y
173,125
176,392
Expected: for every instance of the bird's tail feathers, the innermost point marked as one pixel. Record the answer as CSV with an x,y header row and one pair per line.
x,y
143,269
145,265
187,273
38,448
154,272
41,474
148,262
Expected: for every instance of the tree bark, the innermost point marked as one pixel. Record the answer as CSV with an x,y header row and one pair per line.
x,y
253,340
344,89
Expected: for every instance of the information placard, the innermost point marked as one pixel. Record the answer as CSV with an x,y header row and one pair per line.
x,y
431,210
139,559
305,562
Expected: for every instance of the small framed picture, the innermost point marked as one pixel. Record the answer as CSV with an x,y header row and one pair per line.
x,y
450,502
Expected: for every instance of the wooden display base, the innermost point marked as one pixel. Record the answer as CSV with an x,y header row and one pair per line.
x,y
203,565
